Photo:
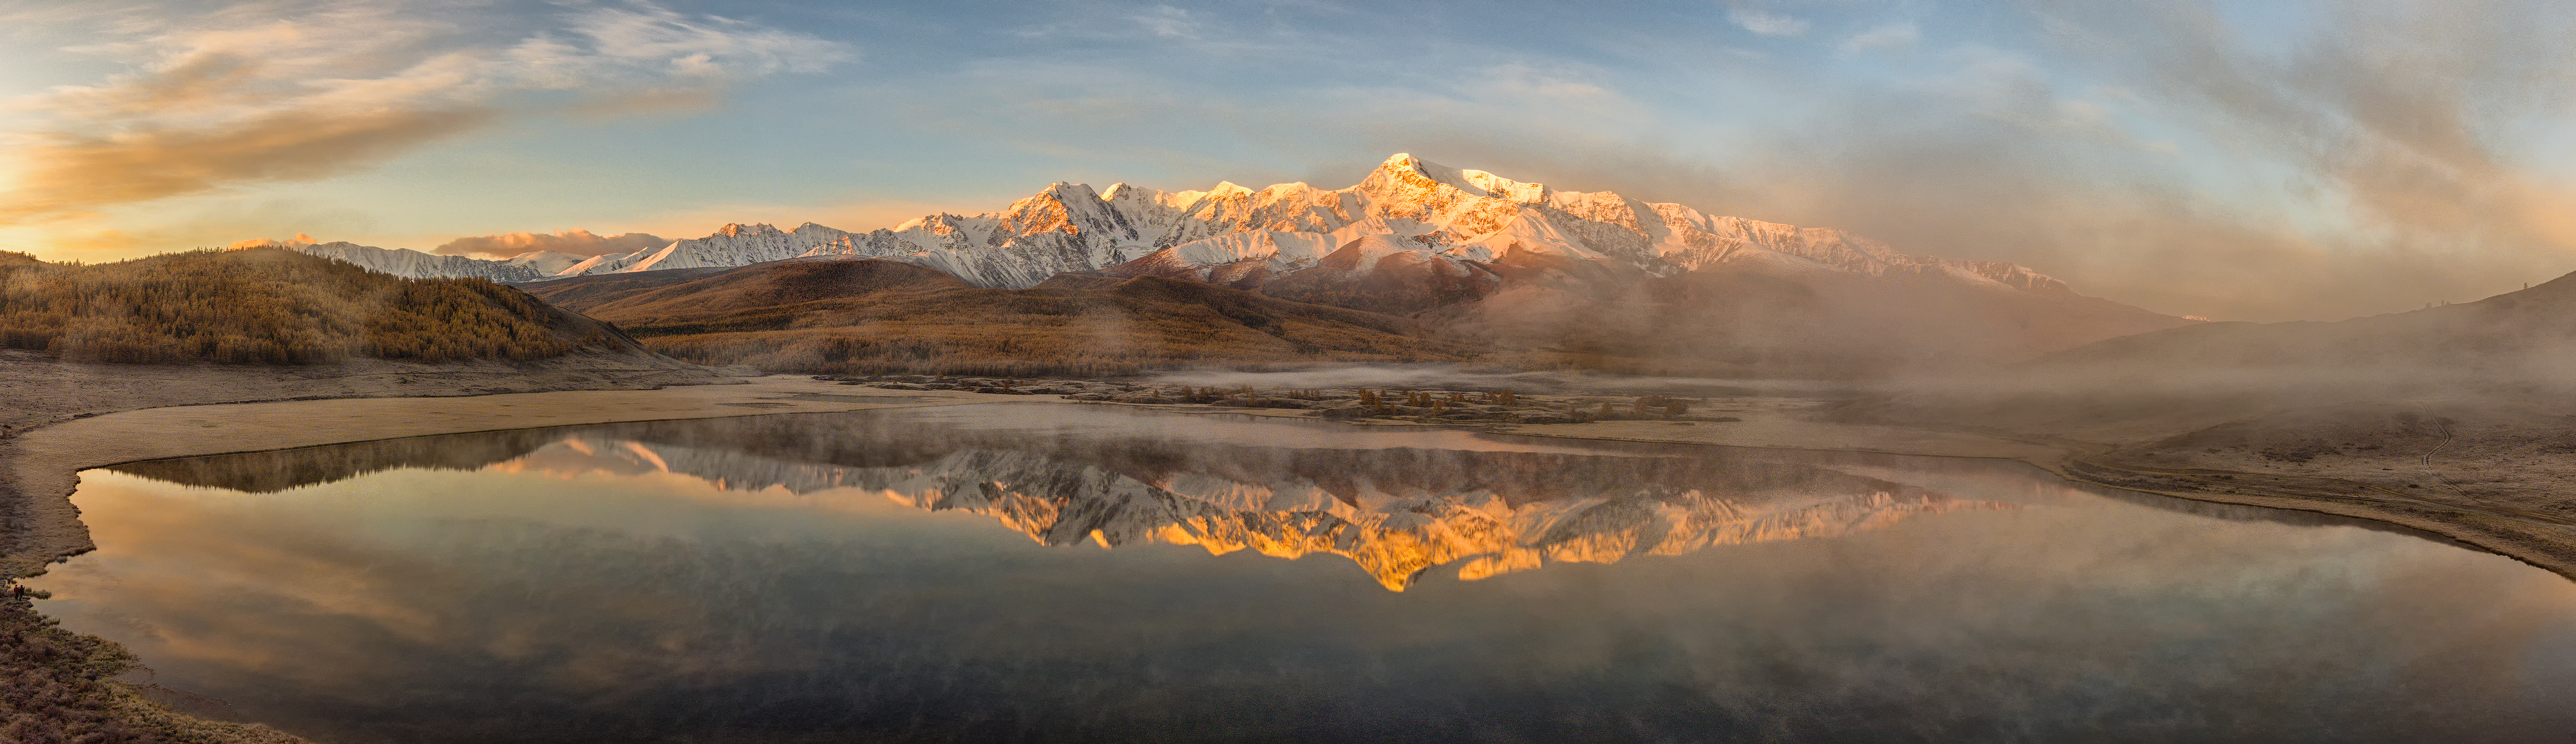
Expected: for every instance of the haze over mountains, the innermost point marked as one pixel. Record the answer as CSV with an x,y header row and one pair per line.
x,y
1472,256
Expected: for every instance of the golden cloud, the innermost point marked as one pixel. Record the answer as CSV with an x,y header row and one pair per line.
x,y
72,173
287,93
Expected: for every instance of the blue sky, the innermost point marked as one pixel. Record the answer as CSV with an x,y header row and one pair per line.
x,y
2260,160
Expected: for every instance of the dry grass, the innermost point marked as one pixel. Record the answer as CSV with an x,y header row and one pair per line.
x,y
268,306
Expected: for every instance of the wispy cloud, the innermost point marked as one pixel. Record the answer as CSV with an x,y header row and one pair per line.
x,y
1894,37
283,93
632,44
1766,24
1168,21
2402,115
2404,112
1524,81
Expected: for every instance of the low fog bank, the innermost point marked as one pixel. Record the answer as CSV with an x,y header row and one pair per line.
x,y
1487,377
1772,321
2513,350
2116,402
2509,353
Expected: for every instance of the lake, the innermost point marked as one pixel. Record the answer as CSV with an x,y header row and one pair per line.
x,y
1048,572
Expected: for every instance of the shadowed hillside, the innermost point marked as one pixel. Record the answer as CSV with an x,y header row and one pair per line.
x,y
880,316
269,306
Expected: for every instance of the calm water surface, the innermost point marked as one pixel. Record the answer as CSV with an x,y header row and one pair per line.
x,y
1057,573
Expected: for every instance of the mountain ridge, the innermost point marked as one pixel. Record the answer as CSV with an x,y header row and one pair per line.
x,y
1458,214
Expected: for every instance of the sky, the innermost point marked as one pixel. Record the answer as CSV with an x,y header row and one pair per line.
x,y
2272,160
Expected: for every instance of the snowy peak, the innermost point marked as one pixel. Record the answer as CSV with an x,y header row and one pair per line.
x,y
1407,168
1128,198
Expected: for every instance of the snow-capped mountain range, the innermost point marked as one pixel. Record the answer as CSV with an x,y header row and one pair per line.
x,y
525,267
1406,213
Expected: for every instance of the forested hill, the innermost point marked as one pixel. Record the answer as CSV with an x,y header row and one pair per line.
x,y
270,306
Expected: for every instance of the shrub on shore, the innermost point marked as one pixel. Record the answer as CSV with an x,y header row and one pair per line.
x,y
270,306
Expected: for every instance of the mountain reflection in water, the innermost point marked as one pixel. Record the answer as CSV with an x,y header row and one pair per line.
x,y
1397,510
840,577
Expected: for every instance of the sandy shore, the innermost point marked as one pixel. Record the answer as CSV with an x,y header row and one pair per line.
x,y
38,468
